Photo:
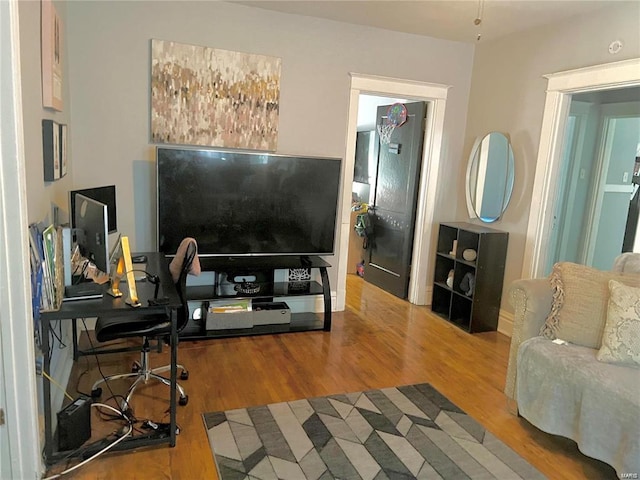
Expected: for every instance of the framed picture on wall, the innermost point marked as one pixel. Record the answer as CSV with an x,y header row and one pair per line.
x,y
51,36
63,150
51,150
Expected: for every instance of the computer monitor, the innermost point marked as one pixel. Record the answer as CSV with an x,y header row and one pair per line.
x,y
106,195
91,223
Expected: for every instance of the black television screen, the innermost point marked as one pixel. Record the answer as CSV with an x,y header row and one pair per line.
x,y
237,203
106,195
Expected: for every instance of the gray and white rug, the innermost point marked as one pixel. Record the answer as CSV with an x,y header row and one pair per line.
x,y
393,433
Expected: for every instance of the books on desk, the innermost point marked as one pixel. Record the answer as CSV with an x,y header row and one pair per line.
x,y
46,268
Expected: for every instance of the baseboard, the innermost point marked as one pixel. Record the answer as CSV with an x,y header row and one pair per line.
x,y
505,323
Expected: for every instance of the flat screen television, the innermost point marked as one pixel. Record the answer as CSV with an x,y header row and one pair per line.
x,y
106,195
247,204
92,231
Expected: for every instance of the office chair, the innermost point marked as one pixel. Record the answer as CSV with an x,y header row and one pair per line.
x,y
156,325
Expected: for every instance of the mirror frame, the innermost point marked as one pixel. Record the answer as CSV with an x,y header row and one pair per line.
x,y
509,174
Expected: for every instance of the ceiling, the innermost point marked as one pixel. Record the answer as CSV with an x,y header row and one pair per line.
x,y
445,19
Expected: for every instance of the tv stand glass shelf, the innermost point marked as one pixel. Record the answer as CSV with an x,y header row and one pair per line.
x,y
269,279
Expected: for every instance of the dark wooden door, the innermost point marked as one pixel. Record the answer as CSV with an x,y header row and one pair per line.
x,y
393,210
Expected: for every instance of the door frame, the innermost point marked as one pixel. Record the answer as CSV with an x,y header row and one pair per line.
x,y
436,97
560,88
19,438
608,115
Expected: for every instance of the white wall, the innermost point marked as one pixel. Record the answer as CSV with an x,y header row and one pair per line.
x,y
40,194
109,64
508,94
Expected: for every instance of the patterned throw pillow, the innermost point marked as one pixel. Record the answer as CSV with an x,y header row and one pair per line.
x,y
580,299
621,337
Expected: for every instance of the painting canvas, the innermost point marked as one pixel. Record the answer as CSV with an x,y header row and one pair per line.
x,y
212,97
51,37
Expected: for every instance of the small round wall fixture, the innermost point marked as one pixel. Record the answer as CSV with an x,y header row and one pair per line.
x,y
615,47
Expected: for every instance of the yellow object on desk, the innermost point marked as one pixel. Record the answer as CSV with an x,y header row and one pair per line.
x,y
121,265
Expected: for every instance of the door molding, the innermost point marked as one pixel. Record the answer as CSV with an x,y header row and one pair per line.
x,y
436,96
560,87
19,439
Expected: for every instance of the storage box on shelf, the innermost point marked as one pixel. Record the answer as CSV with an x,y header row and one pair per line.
x,y
228,314
467,292
271,313
244,313
260,283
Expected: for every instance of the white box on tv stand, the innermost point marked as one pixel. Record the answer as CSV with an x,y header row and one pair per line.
x,y
230,319
271,313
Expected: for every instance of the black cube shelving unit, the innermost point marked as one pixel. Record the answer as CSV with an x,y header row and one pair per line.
x,y
476,310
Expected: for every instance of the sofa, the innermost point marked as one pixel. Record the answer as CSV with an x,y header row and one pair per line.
x,y
574,361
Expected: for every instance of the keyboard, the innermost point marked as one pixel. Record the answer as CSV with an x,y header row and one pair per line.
x,y
82,291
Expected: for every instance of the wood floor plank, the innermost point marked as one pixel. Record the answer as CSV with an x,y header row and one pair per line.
x,y
378,341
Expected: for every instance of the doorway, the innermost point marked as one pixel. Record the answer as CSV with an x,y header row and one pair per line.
x,y
391,212
597,179
560,90
364,175
435,95
384,193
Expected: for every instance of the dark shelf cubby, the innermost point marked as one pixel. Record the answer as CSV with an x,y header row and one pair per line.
x,y
473,309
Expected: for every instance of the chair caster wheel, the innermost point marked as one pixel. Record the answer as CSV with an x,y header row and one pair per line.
x,y
184,375
183,400
97,393
135,368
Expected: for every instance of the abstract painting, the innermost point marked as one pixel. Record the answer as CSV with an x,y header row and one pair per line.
x,y
212,97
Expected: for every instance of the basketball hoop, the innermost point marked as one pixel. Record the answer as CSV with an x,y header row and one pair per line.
x,y
385,130
396,117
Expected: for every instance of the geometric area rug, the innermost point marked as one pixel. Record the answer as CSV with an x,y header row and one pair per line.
x,y
404,432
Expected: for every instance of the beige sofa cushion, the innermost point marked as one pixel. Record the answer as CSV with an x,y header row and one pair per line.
x,y
580,299
621,337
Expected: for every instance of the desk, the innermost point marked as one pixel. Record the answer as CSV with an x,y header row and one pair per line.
x,y
157,264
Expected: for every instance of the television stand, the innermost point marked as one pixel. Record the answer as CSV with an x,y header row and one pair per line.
x,y
275,279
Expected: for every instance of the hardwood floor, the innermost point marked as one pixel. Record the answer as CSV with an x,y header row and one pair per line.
x,y
378,341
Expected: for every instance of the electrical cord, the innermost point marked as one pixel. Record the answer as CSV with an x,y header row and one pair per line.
x,y
81,274
150,277
118,414
113,395
57,336
46,375
84,372
131,421
155,280
62,344
105,449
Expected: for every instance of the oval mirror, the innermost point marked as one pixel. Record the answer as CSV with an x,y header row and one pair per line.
x,y
490,176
